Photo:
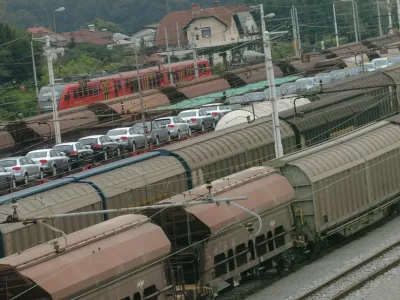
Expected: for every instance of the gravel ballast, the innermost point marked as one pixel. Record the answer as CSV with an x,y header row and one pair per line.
x,y
329,266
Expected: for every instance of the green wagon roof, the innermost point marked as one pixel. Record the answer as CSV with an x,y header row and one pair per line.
x,y
201,100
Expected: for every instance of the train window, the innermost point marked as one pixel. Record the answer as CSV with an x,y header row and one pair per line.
x,y
137,296
127,83
80,91
75,93
90,88
151,290
220,268
279,236
136,85
241,255
159,78
85,91
67,96
231,260
96,89
200,68
270,241
261,246
252,251
153,81
119,85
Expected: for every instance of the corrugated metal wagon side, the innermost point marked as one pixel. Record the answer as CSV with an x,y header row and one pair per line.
x,y
140,184
339,187
225,152
335,115
73,197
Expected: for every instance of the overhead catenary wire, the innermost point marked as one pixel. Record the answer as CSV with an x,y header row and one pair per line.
x,y
256,160
193,244
79,125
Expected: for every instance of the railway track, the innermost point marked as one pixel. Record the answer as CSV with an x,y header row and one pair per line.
x,y
357,276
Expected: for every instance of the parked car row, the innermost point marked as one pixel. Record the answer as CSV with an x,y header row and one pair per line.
x,y
65,156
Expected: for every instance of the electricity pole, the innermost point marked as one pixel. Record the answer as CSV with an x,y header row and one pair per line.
x,y
141,97
271,82
35,78
294,27
336,31
379,18
389,6
49,56
398,12
297,28
196,71
177,32
171,78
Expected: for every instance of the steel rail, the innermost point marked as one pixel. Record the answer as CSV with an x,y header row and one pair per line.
x,y
356,286
353,269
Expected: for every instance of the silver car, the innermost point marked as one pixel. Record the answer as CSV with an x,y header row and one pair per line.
x,y
155,133
7,180
24,169
198,119
51,160
128,137
217,110
176,126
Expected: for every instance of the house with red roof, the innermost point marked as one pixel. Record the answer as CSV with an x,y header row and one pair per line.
x,y
91,35
39,31
207,27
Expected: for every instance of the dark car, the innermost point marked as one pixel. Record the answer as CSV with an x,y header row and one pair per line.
x,y
103,146
78,154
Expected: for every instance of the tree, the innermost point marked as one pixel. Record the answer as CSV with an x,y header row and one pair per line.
x,y
72,43
110,26
15,55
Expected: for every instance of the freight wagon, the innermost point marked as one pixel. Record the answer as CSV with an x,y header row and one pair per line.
x,y
153,176
193,252
347,184
130,257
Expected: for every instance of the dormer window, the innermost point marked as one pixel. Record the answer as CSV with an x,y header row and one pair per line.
x,y
206,32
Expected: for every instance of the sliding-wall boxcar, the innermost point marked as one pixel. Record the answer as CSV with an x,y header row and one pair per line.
x,y
348,184
140,183
228,151
343,107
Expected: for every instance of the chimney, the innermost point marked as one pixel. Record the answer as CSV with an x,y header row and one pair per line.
x,y
217,3
195,8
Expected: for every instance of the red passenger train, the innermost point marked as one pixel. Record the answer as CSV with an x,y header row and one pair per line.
x,y
82,93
